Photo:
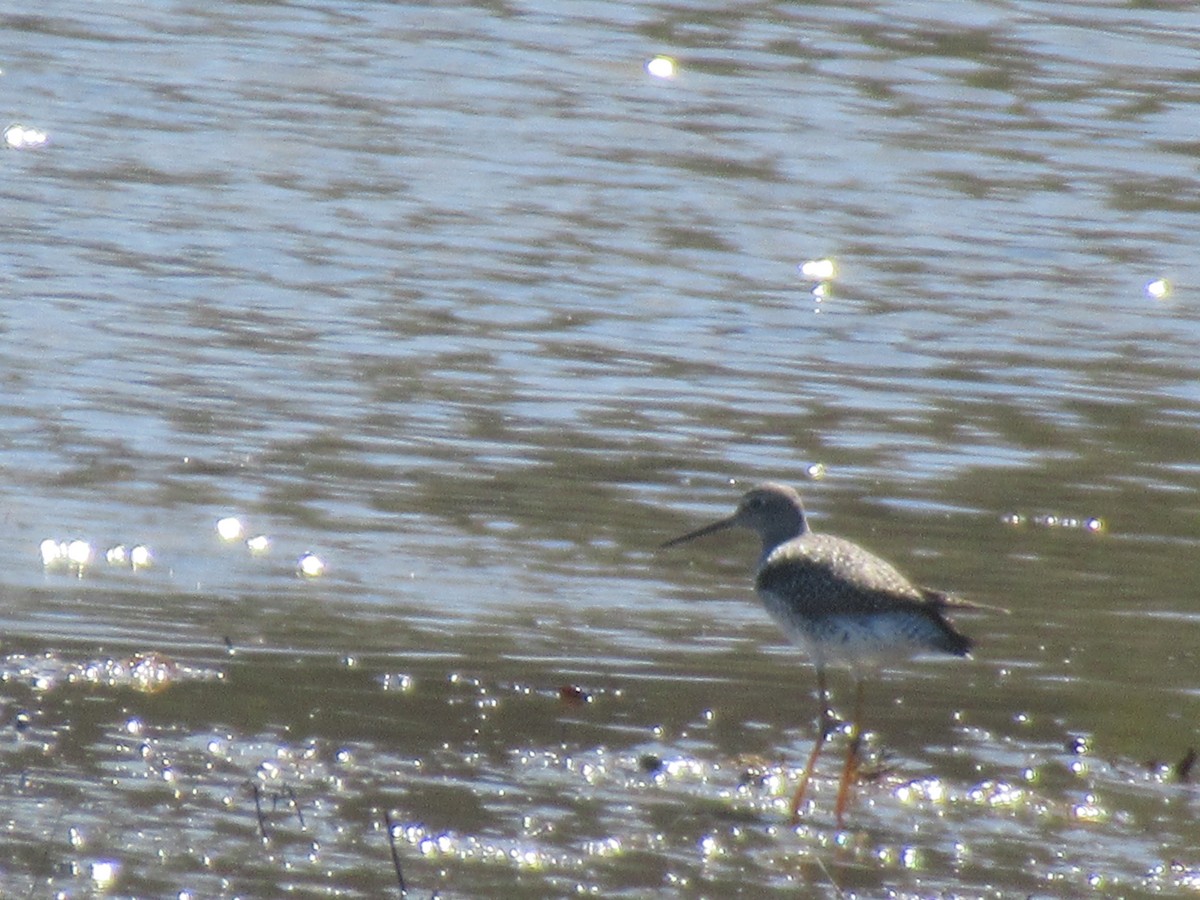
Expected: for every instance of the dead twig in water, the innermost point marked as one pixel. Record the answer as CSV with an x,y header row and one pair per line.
x,y
262,818
295,804
837,891
390,826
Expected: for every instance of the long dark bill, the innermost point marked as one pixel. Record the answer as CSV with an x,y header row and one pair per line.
x,y
699,532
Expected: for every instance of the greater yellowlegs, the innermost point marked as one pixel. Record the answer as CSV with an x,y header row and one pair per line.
x,y
841,603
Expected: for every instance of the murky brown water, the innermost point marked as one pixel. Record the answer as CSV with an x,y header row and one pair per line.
x,y
467,305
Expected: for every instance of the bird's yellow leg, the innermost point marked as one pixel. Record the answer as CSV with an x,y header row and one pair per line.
x,y
825,725
850,772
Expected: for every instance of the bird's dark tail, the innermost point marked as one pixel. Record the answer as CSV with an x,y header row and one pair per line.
x,y
952,640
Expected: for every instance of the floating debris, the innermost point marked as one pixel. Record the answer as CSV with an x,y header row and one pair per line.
x,y
573,695
650,763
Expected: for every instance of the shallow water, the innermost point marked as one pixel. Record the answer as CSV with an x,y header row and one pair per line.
x,y
472,308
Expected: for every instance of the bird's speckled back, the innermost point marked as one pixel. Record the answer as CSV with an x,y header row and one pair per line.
x,y
817,570
845,604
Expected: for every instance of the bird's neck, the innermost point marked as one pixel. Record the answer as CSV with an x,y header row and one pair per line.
x,y
783,532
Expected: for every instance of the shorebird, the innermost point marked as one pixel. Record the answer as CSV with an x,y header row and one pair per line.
x,y
842,604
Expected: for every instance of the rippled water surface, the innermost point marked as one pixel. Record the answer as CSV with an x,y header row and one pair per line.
x,y
451,314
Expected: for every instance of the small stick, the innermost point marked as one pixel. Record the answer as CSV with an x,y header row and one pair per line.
x,y
262,818
837,891
296,805
387,821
